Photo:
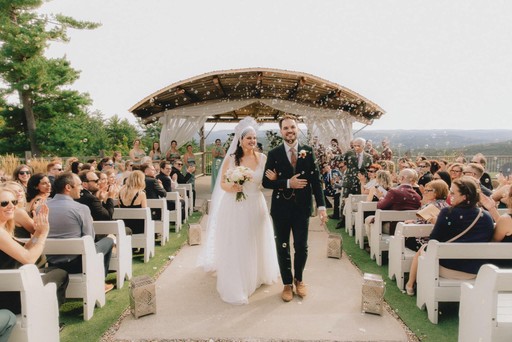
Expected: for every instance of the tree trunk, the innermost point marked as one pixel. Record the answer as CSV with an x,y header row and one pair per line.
x,y
31,122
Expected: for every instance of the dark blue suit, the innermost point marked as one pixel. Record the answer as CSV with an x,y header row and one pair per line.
x,y
291,208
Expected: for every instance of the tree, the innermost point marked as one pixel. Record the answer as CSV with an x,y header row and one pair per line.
x,y
26,73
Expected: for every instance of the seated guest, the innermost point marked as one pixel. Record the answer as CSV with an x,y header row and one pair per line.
x,y
7,323
23,223
384,182
503,230
39,189
476,171
402,197
112,185
368,182
485,180
455,170
53,169
14,253
154,188
424,169
70,219
452,226
169,185
182,179
21,174
330,178
132,195
102,208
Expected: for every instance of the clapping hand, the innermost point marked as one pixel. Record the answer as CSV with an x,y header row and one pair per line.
x,y
40,215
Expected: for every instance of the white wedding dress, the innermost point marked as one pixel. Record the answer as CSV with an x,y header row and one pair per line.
x,y
240,243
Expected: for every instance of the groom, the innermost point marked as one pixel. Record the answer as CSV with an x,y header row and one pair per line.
x,y
297,179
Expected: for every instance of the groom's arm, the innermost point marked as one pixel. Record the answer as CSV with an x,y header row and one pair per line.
x,y
272,164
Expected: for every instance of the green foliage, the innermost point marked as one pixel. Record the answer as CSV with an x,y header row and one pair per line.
x,y
274,139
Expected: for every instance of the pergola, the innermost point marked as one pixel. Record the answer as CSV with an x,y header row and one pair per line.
x,y
327,109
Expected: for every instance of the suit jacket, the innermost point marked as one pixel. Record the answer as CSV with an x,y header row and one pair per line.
x,y
153,189
181,179
99,211
400,198
351,184
166,181
284,199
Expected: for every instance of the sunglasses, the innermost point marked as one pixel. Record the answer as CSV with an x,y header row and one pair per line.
x,y
24,173
57,169
179,164
6,203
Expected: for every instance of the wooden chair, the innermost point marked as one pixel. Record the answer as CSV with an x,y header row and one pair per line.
x,y
485,312
88,285
183,193
121,261
190,196
175,215
400,257
39,318
350,209
161,225
145,240
379,242
360,232
432,288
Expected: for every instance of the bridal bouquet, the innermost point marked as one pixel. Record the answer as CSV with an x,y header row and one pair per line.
x,y
239,175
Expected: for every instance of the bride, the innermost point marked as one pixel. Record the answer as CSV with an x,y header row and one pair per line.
x,y
240,243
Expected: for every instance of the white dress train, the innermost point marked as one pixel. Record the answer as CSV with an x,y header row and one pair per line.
x,y
240,243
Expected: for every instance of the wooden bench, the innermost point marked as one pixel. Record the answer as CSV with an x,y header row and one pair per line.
x,y
39,318
145,240
190,196
432,288
359,231
349,211
175,215
88,285
400,257
183,194
379,242
161,225
485,312
121,260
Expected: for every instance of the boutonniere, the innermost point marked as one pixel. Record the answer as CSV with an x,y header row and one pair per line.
x,y
303,153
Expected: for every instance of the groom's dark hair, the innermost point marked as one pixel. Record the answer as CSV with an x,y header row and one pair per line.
x,y
285,117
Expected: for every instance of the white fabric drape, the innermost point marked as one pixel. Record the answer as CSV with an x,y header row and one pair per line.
x,y
182,123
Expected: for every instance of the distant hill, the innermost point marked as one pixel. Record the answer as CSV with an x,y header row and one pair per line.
x,y
427,142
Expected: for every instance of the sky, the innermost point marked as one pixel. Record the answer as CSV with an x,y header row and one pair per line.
x,y
429,64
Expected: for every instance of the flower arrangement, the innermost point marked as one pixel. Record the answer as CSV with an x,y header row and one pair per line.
x,y
303,153
239,175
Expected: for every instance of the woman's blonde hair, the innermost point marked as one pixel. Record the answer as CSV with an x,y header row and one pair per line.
x,y
135,182
9,225
383,178
15,187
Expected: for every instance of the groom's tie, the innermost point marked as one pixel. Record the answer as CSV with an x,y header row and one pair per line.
x,y
293,157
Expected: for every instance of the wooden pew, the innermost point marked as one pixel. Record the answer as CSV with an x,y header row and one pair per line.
x,y
88,285
175,215
350,209
39,308
432,288
362,208
400,257
379,242
485,312
145,240
161,225
121,260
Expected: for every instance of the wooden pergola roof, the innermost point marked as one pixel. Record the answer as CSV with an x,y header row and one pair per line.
x,y
256,83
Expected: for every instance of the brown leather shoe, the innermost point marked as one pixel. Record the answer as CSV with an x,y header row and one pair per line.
x,y
300,288
287,294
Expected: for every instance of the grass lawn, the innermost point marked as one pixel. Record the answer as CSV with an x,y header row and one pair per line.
x,y
403,305
118,300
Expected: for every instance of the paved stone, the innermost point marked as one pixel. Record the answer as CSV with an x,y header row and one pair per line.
x,y
189,308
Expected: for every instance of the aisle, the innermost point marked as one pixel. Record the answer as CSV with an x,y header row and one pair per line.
x,y
188,307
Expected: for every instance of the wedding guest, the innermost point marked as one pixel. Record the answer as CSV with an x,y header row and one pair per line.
x,y
54,169
368,182
445,176
330,177
21,175
117,158
463,214
386,153
180,177
384,182
153,186
443,165
155,154
371,151
476,171
169,185
503,230
39,189
23,223
426,175
76,167
93,162
101,205
455,170
189,159
132,195
137,153
14,253
485,180
218,154
173,153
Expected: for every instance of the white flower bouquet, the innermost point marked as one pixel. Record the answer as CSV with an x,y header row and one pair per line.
x,y
239,175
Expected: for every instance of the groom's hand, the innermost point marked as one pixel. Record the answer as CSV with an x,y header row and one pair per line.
x,y
297,183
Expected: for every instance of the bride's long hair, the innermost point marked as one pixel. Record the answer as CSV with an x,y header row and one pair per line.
x,y
239,152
